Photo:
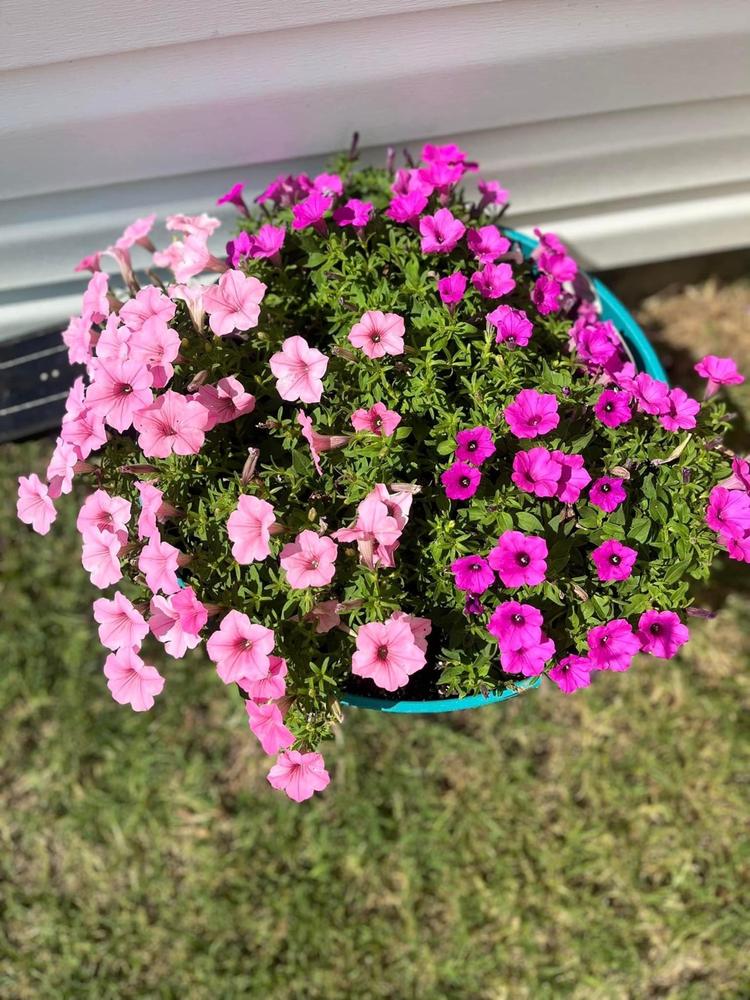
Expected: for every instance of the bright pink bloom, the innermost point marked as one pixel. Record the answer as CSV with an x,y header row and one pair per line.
x,y
612,646
607,493
233,303
266,243
728,512
718,371
661,633
387,653
513,326
474,445
571,673
85,431
354,213
613,408
532,414
156,345
440,232
494,280
137,234
650,394
527,660
597,343
299,370
441,176
241,649
35,506
378,333
225,401
407,181
234,197
309,561
267,724
300,775
473,574
519,560
310,212
376,420
120,624
406,208
613,560
267,688
461,481
61,468
737,548
452,288
159,561
536,471
77,337
546,294
492,192
131,681
177,621
100,557
449,153
330,184
574,477
516,626
103,512
95,301
285,190
740,478
149,303
171,425
249,527
91,263
552,258
193,225
487,244
119,391
681,413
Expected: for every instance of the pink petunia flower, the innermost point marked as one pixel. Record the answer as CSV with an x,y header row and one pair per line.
x,y
515,625
532,414
728,512
171,425
159,561
240,648
452,288
131,681
249,528
120,389
574,477
177,621
149,303
225,401
718,371
406,208
193,225
61,468
461,481
234,197
78,338
103,512
378,333
376,420
613,560
300,775
650,394
519,560
740,477
330,184
233,303
737,548
156,345
596,343
309,561
612,408
487,244
612,646
661,633
494,280
114,341
552,258
607,493
299,370
91,263
319,442
95,301
85,431
151,507
35,506
376,530
513,326
267,243
474,445
492,192
268,688
100,557
420,627
267,724
354,213
536,471
681,413
527,660
546,294
407,181
571,673
187,258
440,232
310,212
120,624
387,653
192,296
473,574
137,233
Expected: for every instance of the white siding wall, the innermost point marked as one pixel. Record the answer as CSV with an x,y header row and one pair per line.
x,y
624,125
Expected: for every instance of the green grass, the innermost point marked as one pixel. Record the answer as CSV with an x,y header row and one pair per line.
x,y
590,847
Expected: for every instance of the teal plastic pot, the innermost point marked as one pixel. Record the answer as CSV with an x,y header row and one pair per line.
x,y
646,360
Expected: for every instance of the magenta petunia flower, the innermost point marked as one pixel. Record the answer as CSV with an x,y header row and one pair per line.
x,y
377,420
131,681
574,478
487,244
527,660
35,506
440,232
661,633
718,371
441,176
612,646
536,471
492,192
738,548
119,390
551,257
234,197
240,648
267,688
613,560
474,445
378,333
225,401
473,574
494,280
249,528
171,425
299,370
100,557
546,294
452,288
310,212
149,303
519,560
103,512
387,653
728,512
267,724
594,342
740,478
354,213
461,481
607,493
120,624
233,303
407,180
159,561
329,184
515,625
513,326
406,208
571,673
299,775
650,394
309,561
680,416
532,414
266,244
613,408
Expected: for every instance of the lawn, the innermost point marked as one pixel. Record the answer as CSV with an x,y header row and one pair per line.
x,y
592,847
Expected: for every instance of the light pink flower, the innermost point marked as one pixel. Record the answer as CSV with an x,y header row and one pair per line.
x,y
240,649
381,518
151,506
718,371
326,616
270,687
177,621
61,468
78,338
532,414
249,527
158,561
100,557
300,775
378,333
225,401
103,512
171,425
120,624
420,627
187,258
387,653
35,506
119,390
267,724
137,233
440,232
131,681
156,345
299,370
192,296
95,301
85,431
309,561
376,420
114,341
319,442
233,303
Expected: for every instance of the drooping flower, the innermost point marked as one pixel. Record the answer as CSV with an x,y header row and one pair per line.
x,y
267,724
532,414
513,326
103,512
233,303
240,648
378,333
527,660
299,370
452,288
171,425
740,477
461,481
607,493
519,560
473,574
651,395
131,681
158,561
267,688
546,294
309,561
354,213
377,420
151,507
516,625
612,408
574,477
319,442
381,518
35,506
487,244
100,558
61,469
571,673
680,416
492,192
225,401
120,624
177,621
120,389
234,197
661,633
300,775
474,445
718,371
440,232
728,512
137,234
612,646
95,301
249,528
613,560
536,471
310,212
494,280
387,653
